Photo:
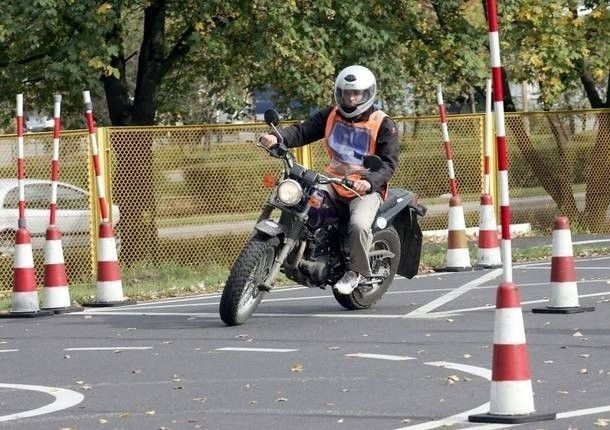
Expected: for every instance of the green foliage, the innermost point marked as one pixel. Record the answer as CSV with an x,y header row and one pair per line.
x,y
210,55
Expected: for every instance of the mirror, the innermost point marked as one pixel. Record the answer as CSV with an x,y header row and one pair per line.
x,y
372,162
272,117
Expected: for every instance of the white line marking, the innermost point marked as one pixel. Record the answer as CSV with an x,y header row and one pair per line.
x,y
63,399
381,356
456,293
585,242
463,416
581,412
9,350
109,348
256,349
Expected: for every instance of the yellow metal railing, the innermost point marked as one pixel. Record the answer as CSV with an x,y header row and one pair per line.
x,y
189,195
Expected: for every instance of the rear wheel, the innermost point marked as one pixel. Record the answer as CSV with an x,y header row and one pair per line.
x,y
242,295
384,267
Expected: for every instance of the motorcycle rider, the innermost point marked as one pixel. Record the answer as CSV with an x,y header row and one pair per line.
x,y
352,129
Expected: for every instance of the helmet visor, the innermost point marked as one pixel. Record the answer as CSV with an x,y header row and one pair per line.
x,y
350,98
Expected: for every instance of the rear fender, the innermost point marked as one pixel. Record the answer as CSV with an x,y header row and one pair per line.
x,y
402,211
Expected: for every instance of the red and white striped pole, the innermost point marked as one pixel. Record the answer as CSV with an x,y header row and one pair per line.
x,y
488,136
109,284
458,254
488,251
24,299
56,296
512,399
442,112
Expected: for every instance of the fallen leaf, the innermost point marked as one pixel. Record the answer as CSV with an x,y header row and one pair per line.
x,y
297,367
583,371
453,379
602,422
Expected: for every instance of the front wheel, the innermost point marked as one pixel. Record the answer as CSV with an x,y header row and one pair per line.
x,y
242,295
383,267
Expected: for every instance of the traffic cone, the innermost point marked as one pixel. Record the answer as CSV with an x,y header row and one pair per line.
x,y
458,256
512,399
488,252
56,294
564,291
109,284
24,301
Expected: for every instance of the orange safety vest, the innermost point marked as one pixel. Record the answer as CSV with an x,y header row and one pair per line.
x,y
347,143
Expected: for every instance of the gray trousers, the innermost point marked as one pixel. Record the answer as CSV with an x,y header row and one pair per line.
x,y
362,215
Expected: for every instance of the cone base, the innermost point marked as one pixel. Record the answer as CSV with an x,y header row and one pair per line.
x,y
452,269
487,266
510,419
570,310
41,313
65,310
109,304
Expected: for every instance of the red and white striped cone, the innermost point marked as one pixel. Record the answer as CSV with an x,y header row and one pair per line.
x,y
109,285
512,398
56,294
458,255
488,252
24,301
564,290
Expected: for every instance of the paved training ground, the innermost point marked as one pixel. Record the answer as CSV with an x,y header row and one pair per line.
x,y
421,359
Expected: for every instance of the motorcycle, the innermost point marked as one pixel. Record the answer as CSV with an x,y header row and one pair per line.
x,y
306,242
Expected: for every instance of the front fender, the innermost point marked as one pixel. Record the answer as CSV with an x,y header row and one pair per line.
x,y
270,228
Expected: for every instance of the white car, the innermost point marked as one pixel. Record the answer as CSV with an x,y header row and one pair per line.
x,y
73,216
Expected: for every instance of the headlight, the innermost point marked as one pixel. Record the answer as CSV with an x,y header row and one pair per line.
x,y
289,192
381,222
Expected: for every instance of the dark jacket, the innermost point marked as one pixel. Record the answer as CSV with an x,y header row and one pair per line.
x,y
313,128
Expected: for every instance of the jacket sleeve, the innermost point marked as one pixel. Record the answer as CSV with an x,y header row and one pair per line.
x,y
387,149
308,131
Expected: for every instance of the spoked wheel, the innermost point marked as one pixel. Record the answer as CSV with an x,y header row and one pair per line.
x,y
242,295
383,267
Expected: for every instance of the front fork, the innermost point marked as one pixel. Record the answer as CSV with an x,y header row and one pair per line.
x,y
295,225
277,264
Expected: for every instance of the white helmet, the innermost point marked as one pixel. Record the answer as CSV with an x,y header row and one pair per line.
x,y
355,78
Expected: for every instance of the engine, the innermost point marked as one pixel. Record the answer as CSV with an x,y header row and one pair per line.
x,y
322,260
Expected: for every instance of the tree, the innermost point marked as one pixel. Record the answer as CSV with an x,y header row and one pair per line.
x,y
563,45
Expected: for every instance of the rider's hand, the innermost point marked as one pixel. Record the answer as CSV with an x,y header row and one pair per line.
x,y
268,140
361,186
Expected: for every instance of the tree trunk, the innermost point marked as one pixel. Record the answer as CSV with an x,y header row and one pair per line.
x,y
556,182
133,180
598,197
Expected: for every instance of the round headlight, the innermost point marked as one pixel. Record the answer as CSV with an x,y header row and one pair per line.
x,y
381,222
289,192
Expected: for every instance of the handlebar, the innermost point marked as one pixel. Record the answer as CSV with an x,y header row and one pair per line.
x,y
280,150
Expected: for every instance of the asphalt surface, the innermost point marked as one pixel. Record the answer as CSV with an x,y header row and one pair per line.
x,y
420,359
